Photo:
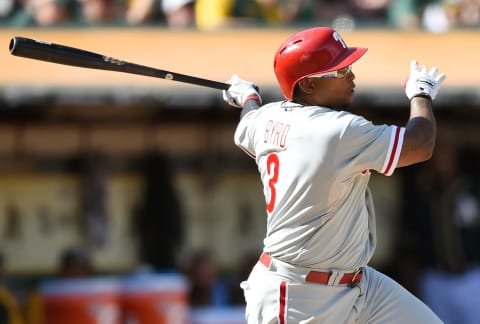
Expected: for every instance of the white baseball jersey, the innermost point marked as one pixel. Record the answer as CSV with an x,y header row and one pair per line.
x,y
315,165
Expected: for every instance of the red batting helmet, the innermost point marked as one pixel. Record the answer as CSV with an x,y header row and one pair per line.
x,y
311,51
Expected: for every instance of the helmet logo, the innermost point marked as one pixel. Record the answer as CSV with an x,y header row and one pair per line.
x,y
336,36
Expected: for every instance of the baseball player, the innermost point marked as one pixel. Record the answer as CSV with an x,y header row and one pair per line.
x,y
315,159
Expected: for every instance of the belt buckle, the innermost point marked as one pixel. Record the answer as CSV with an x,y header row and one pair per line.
x,y
354,282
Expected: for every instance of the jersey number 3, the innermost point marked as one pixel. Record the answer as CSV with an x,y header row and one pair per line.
x,y
273,164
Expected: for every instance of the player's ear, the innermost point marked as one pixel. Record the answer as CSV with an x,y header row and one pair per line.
x,y
306,85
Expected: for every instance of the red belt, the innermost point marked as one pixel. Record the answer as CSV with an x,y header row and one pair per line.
x,y
351,278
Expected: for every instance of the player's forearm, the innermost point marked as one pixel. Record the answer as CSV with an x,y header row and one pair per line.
x,y
420,132
249,106
422,123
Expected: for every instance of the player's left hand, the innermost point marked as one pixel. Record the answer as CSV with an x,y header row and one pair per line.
x,y
240,92
423,82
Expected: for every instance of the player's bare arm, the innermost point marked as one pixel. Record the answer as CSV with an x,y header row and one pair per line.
x,y
420,131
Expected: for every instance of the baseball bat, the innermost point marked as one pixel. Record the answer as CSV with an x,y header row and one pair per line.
x,y
61,54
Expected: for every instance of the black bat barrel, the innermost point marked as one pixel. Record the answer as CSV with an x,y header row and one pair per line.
x,y
54,53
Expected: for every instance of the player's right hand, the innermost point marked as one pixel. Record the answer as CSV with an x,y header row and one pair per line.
x,y
240,92
423,82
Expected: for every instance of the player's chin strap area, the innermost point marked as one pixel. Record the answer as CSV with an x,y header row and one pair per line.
x,y
330,278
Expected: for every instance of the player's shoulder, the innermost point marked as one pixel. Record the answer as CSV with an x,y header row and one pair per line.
x,y
330,114
346,121
272,105
265,110
352,117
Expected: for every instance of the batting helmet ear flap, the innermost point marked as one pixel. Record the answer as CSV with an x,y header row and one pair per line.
x,y
311,51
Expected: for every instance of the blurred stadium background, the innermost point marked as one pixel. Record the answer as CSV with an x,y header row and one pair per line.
x,y
142,173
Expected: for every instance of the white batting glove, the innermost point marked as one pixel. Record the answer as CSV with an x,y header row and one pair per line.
x,y
423,82
240,91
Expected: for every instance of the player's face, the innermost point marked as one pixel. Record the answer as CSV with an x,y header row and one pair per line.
x,y
333,92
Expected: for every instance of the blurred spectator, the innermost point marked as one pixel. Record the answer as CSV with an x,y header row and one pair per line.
x,y
347,14
371,11
271,12
406,14
96,167
12,13
213,14
139,12
450,14
159,220
101,12
437,18
207,286
469,13
179,13
10,312
431,15
326,10
47,13
73,263
217,14
7,7
441,237
434,15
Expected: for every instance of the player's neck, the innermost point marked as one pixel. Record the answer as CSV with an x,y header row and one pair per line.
x,y
300,102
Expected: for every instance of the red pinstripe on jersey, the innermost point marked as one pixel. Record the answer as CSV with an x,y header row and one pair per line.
x,y
250,154
282,303
393,151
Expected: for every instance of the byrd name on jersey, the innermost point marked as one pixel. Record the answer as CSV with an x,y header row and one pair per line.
x,y
276,133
